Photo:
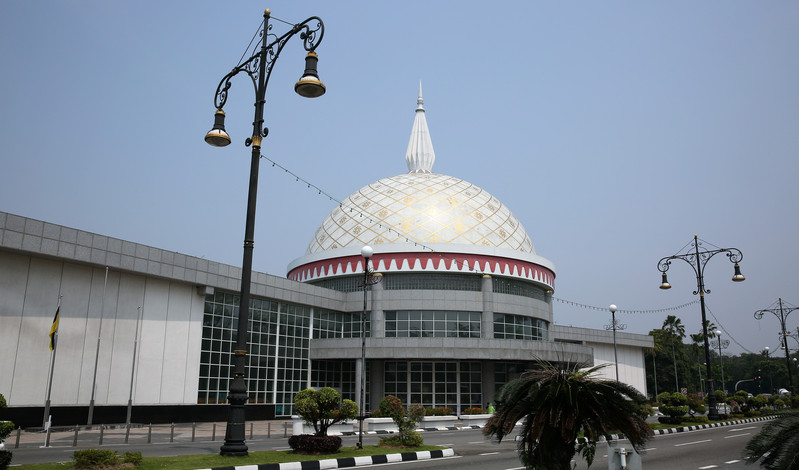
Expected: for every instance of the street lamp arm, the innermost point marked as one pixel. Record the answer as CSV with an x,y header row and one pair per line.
x,y
698,259
310,33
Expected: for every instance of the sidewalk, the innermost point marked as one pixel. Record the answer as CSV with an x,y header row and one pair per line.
x,y
109,434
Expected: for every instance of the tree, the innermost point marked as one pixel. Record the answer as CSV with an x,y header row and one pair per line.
x,y
406,421
6,427
557,402
321,408
676,330
777,444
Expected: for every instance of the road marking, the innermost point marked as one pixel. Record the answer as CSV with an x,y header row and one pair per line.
x,y
692,443
729,462
647,450
489,453
741,429
709,466
476,442
738,435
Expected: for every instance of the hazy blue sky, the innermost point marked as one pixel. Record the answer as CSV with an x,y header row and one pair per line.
x,y
614,131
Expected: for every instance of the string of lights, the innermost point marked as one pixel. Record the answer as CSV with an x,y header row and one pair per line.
x,y
372,218
632,311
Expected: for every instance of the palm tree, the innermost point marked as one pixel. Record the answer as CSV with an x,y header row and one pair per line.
x,y
556,404
777,444
676,329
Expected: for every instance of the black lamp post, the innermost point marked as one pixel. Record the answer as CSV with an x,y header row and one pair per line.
x,y
368,280
782,314
698,259
259,68
722,344
768,369
615,325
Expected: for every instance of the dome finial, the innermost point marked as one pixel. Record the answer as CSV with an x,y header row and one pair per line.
x,y
420,155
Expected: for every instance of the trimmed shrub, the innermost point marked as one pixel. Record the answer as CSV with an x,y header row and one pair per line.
x,y
474,411
391,407
404,419
323,408
91,458
411,439
445,411
5,459
310,444
134,458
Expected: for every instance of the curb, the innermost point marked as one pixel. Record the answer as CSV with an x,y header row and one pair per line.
x,y
660,432
346,462
443,428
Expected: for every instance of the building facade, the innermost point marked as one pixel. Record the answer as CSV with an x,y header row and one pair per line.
x,y
458,303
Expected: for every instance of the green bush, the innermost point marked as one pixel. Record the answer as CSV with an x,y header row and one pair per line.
x,y
3,403
6,427
307,443
411,439
391,407
91,458
445,411
134,458
323,408
474,411
404,419
5,459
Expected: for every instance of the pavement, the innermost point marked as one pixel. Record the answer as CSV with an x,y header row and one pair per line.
x,y
34,442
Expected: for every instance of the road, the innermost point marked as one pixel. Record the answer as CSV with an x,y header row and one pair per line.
x,y
703,449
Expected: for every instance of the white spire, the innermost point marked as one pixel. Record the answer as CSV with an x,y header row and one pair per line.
x,y
420,155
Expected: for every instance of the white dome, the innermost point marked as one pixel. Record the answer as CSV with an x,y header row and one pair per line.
x,y
422,221
424,208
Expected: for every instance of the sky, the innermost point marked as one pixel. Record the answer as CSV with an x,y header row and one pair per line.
x,y
613,130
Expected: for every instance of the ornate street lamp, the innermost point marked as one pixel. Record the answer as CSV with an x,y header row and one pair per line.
x,y
698,259
782,314
768,369
368,280
722,344
259,68
615,325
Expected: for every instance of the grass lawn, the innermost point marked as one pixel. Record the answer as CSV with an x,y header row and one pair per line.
x,y
191,462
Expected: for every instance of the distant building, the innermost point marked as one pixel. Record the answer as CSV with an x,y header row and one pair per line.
x,y
464,304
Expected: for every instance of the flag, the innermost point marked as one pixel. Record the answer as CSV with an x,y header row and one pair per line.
x,y
54,328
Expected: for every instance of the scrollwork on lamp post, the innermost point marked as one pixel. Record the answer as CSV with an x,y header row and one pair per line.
x,y
782,314
698,259
259,68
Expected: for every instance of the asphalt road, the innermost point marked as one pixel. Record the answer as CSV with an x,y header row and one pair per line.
x,y
702,449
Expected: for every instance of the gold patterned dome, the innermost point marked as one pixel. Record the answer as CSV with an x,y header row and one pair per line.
x,y
421,221
423,208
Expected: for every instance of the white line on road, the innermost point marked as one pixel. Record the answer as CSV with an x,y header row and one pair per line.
x,y
476,442
738,435
730,462
489,453
709,466
691,443
741,429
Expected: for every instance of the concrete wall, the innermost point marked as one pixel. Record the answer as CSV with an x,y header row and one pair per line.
x,y
168,341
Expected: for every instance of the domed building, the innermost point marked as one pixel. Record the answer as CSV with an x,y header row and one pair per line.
x,y
454,303
460,301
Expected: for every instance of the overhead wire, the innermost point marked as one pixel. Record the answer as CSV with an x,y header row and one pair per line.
x,y
380,222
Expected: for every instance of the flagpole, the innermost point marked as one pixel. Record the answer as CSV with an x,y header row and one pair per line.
x,y
52,364
97,353
133,367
